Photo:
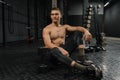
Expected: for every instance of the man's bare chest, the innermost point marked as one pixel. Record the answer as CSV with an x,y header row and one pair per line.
x,y
57,33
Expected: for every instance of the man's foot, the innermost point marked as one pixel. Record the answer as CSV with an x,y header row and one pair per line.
x,y
94,71
85,62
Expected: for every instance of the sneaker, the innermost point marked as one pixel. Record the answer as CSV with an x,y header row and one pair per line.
x,y
85,62
94,71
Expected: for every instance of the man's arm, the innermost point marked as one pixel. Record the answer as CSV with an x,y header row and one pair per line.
x,y
49,44
46,39
87,35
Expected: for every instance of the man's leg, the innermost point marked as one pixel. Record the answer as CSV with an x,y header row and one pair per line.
x,y
81,53
74,41
82,57
70,62
55,52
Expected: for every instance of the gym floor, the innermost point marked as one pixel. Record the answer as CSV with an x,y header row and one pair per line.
x,y
21,62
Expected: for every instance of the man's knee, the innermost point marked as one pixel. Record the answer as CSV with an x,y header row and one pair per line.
x,y
78,38
81,46
62,58
78,34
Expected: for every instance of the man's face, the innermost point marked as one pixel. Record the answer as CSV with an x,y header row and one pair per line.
x,y
55,15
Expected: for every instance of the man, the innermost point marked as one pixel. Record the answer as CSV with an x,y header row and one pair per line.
x,y
54,38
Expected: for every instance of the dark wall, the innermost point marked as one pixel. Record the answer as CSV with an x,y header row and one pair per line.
x,y
75,20
16,19
112,19
75,12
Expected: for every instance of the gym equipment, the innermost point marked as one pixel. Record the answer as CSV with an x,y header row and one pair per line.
x,y
100,37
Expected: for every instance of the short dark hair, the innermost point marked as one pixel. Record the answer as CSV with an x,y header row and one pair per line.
x,y
55,8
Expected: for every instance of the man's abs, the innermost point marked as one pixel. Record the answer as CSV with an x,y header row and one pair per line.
x,y
58,41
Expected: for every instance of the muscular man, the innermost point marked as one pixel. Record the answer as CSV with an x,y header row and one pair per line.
x,y
54,38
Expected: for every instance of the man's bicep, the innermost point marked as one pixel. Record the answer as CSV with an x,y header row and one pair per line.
x,y
75,28
71,28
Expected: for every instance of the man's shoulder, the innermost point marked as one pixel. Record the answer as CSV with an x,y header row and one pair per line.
x,y
47,27
66,25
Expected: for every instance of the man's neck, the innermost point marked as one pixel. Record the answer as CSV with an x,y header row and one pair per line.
x,y
57,24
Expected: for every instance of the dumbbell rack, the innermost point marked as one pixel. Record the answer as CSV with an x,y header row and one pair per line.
x,y
91,14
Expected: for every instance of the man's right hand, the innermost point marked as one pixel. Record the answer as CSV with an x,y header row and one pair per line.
x,y
63,51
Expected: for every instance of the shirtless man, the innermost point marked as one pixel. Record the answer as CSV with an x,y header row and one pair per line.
x,y
54,38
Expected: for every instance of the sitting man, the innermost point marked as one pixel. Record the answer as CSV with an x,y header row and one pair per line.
x,y
54,39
